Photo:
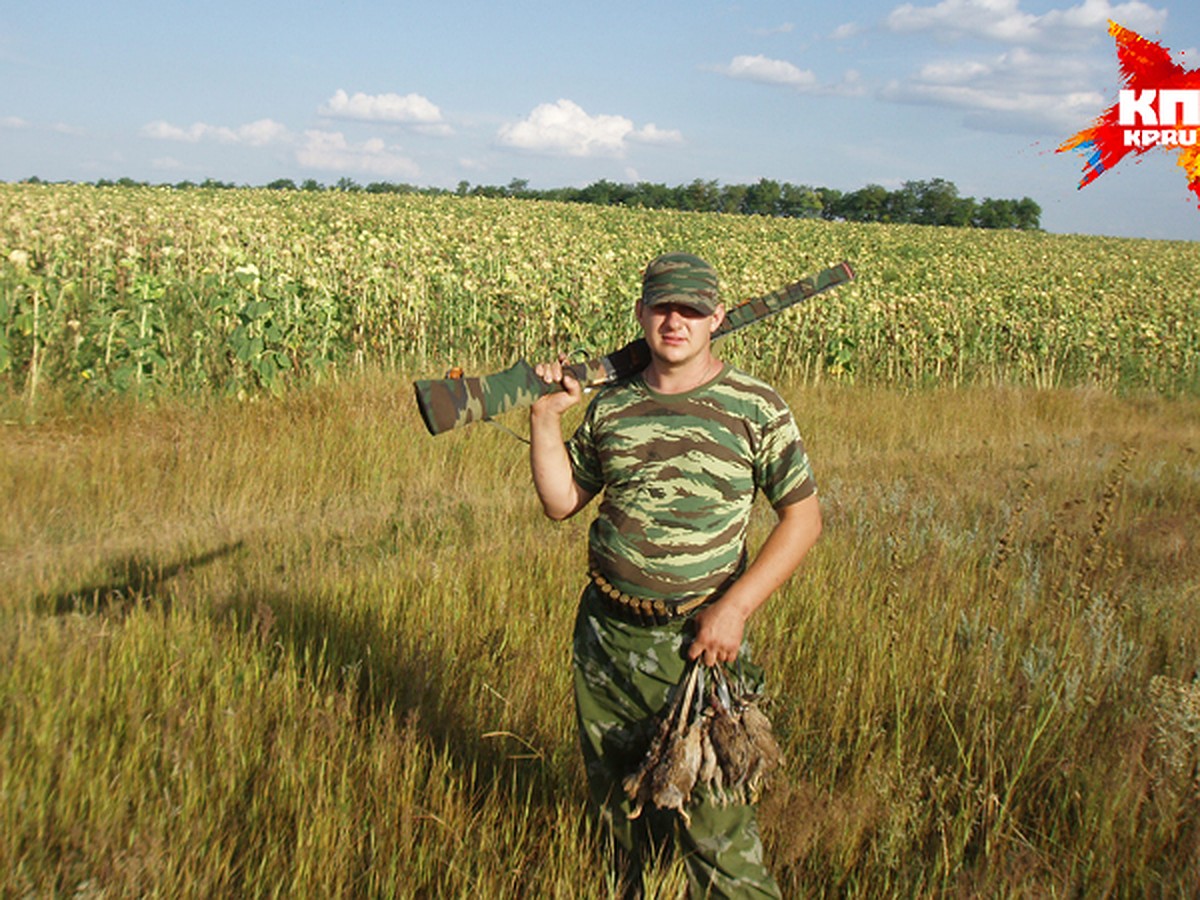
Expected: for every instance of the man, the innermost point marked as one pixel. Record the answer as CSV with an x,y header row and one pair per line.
x,y
679,452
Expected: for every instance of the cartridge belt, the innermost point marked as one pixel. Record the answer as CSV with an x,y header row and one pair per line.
x,y
643,610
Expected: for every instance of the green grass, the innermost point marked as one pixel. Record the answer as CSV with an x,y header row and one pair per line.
x,y
297,647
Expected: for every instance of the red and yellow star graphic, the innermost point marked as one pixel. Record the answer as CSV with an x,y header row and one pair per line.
x,y
1144,66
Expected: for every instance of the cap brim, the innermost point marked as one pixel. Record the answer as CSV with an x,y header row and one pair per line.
x,y
691,301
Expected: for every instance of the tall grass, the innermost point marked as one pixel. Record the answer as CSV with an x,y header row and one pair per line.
x,y
299,648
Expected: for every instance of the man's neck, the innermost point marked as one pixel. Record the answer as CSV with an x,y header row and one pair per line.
x,y
667,379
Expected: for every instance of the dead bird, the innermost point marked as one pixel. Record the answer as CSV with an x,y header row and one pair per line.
x,y
638,784
715,737
767,754
675,776
669,771
742,740
710,767
733,747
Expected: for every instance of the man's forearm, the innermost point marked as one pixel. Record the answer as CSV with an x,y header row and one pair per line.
x,y
721,626
553,478
793,536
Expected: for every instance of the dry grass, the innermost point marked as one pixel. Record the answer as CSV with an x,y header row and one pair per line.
x,y
298,647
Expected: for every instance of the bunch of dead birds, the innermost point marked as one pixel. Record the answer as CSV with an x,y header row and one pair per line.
x,y
713,735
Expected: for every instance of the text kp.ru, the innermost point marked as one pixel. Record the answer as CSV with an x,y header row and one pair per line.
x,y
1156,117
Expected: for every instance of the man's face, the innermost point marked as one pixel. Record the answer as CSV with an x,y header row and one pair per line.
x,y
676,333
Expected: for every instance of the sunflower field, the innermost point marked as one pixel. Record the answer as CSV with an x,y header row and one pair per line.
x,y
156,290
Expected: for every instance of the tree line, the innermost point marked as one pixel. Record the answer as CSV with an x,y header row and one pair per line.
x,y
932,202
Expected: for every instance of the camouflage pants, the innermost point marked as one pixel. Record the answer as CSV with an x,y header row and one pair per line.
x,y
624,674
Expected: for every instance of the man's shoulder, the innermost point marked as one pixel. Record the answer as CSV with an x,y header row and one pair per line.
x,y
742,387
735,391
742,377
619,393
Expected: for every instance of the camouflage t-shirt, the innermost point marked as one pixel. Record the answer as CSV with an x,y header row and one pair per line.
x,y
679,474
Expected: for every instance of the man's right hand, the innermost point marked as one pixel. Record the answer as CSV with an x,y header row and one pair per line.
x,y
557,488
558,402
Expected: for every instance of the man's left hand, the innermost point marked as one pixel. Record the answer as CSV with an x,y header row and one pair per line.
x,y
719,631
720,627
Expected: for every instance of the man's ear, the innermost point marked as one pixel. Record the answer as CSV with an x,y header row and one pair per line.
x,y
638,309
718,317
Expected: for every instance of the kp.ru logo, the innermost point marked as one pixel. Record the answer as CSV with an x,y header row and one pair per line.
x,y
1163,112
1160,107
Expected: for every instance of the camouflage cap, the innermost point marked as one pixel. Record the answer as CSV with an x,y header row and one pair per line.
x,y
681,278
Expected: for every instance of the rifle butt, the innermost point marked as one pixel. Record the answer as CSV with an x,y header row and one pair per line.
x,y
449,403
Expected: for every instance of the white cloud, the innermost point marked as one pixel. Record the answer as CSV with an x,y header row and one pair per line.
x,y
1049,80
1094,15
326,150
261,133
770,71
995,19
16,123
409,109
993,111
652,134
254,134
165,131
780,73
1017,90
329,150
565,129
1004,21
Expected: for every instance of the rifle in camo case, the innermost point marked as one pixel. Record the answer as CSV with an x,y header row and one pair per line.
x,y
448,403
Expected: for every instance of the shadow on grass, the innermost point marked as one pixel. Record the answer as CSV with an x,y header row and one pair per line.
x,y
133,579
433,683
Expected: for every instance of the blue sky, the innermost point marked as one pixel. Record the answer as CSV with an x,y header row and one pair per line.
x,y
979,92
